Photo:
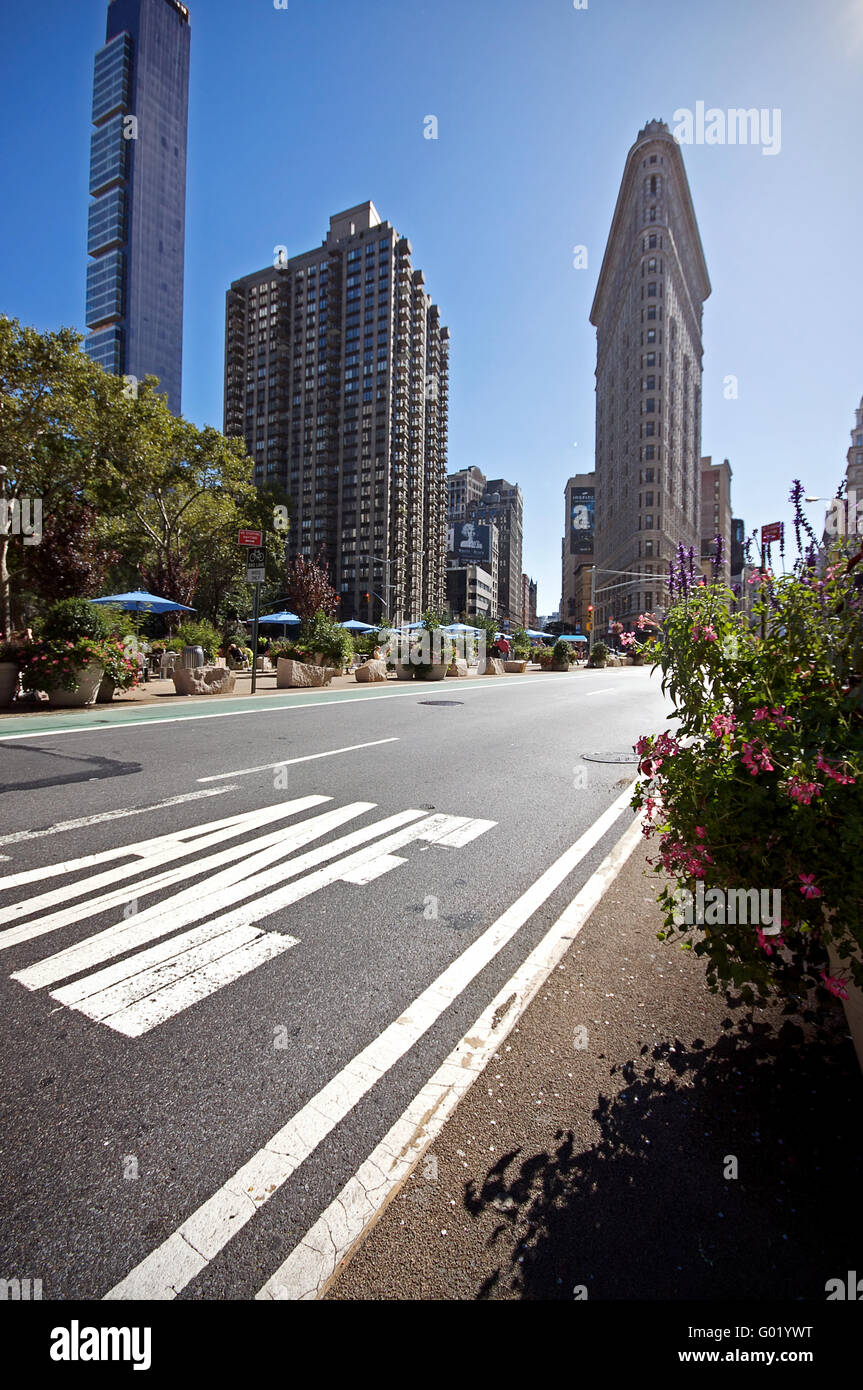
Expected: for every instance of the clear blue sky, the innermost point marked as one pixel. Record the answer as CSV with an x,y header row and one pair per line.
x,y
297,114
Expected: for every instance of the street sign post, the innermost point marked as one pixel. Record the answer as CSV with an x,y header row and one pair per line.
x,y
771,532
253,543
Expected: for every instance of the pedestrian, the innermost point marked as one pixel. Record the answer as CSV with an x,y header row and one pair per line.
x,y
503,645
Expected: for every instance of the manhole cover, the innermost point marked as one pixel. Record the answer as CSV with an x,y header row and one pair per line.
x,y
440,702
628,758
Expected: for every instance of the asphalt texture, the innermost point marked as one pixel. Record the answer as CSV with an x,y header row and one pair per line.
x,y
109,1142
636,1138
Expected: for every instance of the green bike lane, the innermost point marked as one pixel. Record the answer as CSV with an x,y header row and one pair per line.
x,y
220,707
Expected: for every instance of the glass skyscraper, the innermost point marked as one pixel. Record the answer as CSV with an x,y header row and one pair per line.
x,y
137,219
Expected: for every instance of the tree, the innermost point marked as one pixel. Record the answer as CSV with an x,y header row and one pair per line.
x,y
48,391
71,558
309,590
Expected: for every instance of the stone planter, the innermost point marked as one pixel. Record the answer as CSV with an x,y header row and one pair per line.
x,y
105,693
404,671
291,675
8,682
89,678
493,666
203,680
562,666
371,671
458,667
515,667
435,672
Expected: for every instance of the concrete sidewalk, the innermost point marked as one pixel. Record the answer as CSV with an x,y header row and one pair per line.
x,y
594,1155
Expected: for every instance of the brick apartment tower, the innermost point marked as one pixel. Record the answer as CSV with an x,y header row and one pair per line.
x,y
647,312
336,375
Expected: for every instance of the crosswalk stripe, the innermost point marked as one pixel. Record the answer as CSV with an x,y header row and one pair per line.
x,y
17,837
196,902
176,844
212,971
274,846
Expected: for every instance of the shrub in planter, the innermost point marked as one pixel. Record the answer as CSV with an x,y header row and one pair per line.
x,y
199,633
761,785
72,619
598,654
542,656
322,635
64,666
121,670
520,645
563,654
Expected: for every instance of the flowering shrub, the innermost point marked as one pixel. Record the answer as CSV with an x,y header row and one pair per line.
x,y
55,665
120,668
761,784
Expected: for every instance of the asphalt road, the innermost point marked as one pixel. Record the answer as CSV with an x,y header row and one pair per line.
x,y
125,1115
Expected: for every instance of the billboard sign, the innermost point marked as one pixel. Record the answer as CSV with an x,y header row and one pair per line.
x,y
469,543
581,520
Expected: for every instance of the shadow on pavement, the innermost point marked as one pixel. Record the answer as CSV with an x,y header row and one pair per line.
x,y
647,1213
89,768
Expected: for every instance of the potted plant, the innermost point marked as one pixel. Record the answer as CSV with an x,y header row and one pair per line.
x,y
121,671
598,656
70,672
562,656
12,654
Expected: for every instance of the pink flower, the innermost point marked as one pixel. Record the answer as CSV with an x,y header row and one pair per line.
x,y
762,713
756,759
835,985
705,633
803,792
700,831
723,724
767,944
830,771
808,887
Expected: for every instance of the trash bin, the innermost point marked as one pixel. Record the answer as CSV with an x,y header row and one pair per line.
x,y
193,657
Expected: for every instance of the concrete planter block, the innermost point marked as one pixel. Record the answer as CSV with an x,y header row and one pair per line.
x,y
561,666
458,667
405,672
435,672
203,680
292,675
8,682
89,679
515,667
371,671
493,666
105,693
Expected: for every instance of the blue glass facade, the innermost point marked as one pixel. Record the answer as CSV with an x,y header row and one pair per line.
x,y
137,219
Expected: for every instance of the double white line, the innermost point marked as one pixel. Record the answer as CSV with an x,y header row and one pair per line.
x,y
189,1250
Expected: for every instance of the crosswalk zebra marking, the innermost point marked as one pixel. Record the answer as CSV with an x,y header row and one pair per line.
x,y
147,986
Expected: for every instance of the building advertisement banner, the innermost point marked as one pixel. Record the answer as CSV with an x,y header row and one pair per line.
x,y
581,521
469,543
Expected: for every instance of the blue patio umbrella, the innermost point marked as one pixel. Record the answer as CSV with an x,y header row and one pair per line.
x,y
139,602
461,627
283,617
354,625
532,633
571,637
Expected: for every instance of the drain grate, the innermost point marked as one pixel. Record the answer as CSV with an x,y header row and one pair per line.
x,y
440,702
616,758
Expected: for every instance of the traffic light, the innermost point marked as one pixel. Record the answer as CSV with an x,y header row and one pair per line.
x,y
590,608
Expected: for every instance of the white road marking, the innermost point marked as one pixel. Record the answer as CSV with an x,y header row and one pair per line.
x,y
177,842
110,726
222,890
310,1267
19,836
286,762
195,975
180,1258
